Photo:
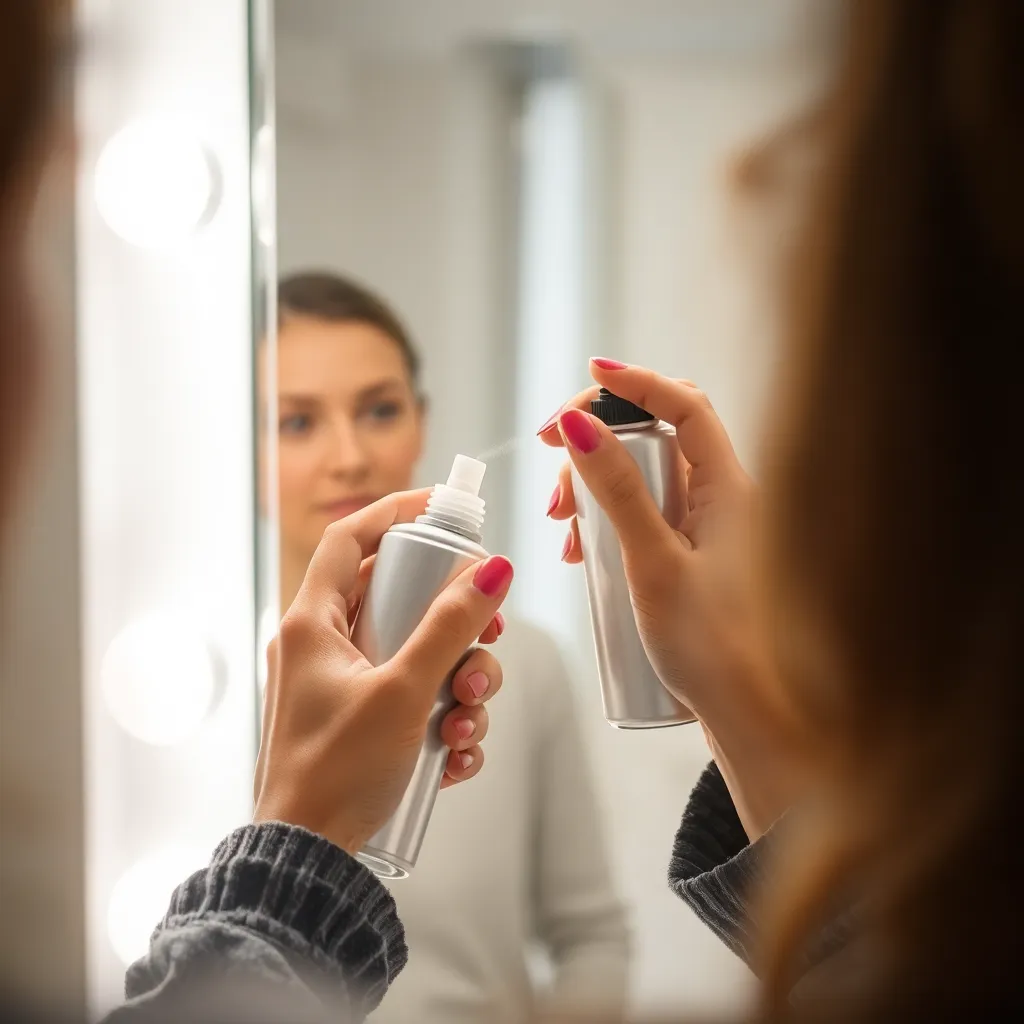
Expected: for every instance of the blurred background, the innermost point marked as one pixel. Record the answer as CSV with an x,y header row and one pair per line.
x,y
528,185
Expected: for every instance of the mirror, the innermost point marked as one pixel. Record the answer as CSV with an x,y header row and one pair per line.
x,y
506,190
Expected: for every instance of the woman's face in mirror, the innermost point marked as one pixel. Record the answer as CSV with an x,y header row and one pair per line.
x,y
350,424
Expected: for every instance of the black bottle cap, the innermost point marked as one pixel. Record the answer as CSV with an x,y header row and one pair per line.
x,y
615,411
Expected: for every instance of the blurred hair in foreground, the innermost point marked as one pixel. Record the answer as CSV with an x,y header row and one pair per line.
x,y
895,556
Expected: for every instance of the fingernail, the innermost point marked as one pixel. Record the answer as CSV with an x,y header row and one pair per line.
x,y
477,682
551,420
567,547
493,576
555,497
579,431
500,620
464,727
607,364
465,759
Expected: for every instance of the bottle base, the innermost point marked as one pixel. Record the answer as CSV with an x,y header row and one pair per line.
x,y
383,865
635,724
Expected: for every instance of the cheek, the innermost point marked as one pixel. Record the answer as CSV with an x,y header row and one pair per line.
x,y
296,473
398,456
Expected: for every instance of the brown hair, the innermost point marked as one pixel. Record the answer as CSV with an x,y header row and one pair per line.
x,y
26,65
335,299
896,547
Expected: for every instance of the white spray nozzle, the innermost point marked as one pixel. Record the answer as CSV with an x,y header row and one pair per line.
x,y
457,504
467,474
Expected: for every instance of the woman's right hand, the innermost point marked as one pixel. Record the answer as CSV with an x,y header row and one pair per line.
x,y
692,582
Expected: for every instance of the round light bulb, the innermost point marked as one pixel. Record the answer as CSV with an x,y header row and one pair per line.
x,y
160,678
140,897
155,183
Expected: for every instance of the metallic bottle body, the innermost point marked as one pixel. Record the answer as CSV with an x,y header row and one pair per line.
x,y
633,695
414,563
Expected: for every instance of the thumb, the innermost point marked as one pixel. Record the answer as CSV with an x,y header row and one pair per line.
x,y
614,479
458,615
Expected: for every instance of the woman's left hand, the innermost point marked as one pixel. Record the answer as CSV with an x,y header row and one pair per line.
x,y
341,736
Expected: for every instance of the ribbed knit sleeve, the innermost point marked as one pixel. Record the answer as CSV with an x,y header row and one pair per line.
x,y
280,922
714,867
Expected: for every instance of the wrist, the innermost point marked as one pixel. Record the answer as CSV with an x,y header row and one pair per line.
x,y
756,741
341,835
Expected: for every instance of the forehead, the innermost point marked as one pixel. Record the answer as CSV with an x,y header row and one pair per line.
x,y
318,357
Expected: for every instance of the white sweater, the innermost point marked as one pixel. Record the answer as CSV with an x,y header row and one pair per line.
x,y
514,858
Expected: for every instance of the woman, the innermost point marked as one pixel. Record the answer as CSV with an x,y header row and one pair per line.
x,y
351,429
878,683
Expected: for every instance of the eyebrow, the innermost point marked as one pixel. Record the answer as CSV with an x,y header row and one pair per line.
x,y
370,391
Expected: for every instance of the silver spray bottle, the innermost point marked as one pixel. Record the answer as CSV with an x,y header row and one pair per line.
x,y
414,563
633,695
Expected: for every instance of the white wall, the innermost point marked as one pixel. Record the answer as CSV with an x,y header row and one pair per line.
x,y
374,189
693,297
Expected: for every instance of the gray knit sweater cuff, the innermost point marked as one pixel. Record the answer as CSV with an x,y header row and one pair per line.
x,y
714,868
303,893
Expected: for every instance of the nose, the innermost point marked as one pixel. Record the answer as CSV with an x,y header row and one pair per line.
x,y
347,457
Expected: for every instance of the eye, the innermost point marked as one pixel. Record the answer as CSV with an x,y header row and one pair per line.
x,y
382,412
297,423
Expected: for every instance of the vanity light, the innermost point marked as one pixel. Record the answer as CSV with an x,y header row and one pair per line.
x,y
140,897
156,183
161,678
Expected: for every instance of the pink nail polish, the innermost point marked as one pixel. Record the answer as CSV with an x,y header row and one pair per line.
x,y
464,727
567,547
579,431
555,498
500,620
465,759
551,420
607,364
493,576
477,682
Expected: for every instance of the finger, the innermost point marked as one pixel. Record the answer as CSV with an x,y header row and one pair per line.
x,y
572,550
563,502
334,569
494,629
702,437
462,765
478,679
464,727
457,616
548,432
614,479
355,597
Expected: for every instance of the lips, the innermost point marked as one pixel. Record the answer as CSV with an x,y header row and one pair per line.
x,y
346,506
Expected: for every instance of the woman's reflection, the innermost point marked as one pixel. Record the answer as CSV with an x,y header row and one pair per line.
x,y
518,858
